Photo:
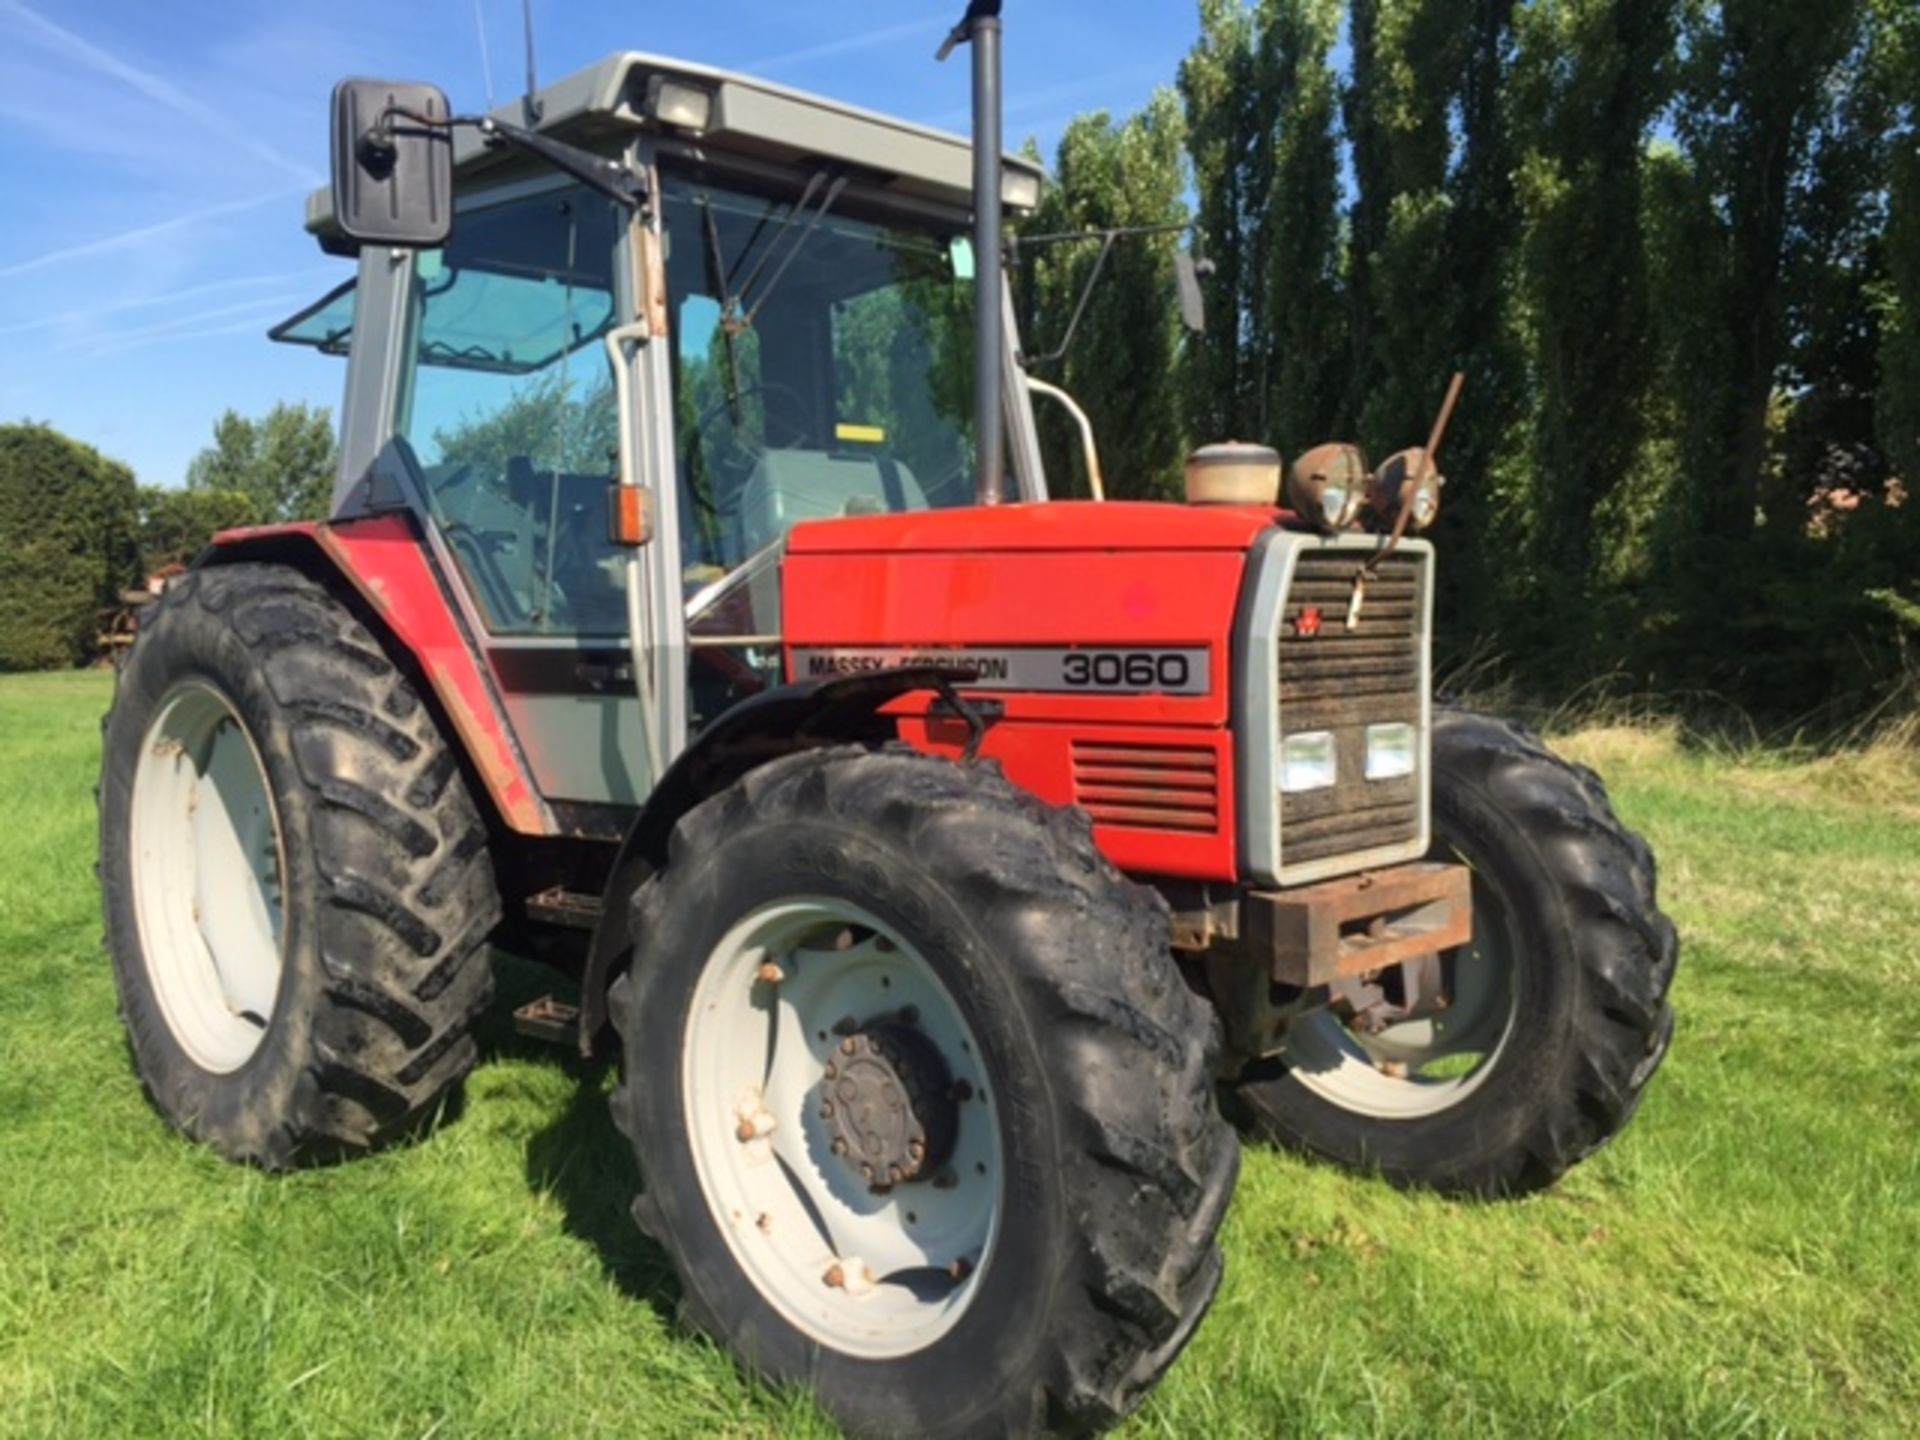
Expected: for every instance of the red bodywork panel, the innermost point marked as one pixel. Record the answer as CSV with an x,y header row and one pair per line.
x,y
1155,771
1074,525
384,559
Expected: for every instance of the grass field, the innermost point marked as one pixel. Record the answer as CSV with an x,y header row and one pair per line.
x,y
1746,1261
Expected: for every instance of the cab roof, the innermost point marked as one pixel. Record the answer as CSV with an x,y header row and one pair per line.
x,y
605,103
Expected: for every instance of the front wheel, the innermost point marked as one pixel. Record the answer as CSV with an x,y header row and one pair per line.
x,y
921,1104
1556,1014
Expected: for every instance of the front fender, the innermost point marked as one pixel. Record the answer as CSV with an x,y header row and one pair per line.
x,y
385,563
836,710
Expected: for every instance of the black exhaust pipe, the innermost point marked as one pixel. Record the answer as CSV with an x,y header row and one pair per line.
x,y
981,28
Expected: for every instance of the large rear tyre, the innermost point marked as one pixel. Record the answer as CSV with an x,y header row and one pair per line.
x,y
922,1107
295,879
1559,1013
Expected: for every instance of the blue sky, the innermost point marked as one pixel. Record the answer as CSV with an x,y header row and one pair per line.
x,y
155,155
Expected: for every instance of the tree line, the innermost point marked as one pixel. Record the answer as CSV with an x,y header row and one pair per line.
x,y
1674,245
77,530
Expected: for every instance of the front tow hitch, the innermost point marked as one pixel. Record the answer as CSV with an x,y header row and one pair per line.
x,y
1370,947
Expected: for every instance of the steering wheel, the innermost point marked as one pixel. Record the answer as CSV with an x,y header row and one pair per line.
x,y
793,422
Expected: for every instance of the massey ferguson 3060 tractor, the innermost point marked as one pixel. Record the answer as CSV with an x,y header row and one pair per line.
x,y
938,854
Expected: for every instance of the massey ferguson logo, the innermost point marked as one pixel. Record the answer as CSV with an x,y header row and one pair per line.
x,y
1307,623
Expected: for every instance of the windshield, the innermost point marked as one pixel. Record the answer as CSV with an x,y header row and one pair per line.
x,y
823,366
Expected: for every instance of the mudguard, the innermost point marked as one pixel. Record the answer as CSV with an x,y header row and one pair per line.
x,y
384,561
836,710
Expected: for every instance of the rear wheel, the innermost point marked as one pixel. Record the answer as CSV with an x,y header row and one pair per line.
x,y
921,1104
1556,1014
295,880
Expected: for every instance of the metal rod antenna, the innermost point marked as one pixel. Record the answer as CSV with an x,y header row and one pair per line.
x,y
981,29
486,57
531,105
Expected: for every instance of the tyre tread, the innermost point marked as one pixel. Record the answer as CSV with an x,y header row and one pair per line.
x,y
396,834
1150,1159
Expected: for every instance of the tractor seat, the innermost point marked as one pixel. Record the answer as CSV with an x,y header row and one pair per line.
x,y
788,486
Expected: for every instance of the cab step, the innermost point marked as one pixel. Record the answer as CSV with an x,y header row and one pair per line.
x,y
569,908
548,1019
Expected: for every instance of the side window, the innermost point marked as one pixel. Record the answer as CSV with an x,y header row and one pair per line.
x,y
510,409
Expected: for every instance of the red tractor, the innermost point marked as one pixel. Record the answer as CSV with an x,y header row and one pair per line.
x,y
938,854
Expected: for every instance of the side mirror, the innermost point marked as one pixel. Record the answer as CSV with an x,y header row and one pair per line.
x,y
1186,279
392,164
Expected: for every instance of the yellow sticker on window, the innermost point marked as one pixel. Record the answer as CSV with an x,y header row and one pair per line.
x,y
860,434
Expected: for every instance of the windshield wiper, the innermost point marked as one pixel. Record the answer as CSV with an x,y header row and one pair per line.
x,y
742,320
740,308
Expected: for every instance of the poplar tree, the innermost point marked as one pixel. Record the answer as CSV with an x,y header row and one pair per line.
x,y
1589,83
1126,360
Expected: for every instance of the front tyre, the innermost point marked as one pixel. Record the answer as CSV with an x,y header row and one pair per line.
x,y
921,1104
1558,1013
295,879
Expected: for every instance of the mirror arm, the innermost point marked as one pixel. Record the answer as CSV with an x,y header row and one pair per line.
x,y
1080,310
1107,237
609,177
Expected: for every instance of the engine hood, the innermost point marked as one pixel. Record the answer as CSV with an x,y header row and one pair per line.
x,y
1074,525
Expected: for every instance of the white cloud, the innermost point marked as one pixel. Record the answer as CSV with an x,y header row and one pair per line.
x,y
163,299
826,50
142,234
248,315
154,87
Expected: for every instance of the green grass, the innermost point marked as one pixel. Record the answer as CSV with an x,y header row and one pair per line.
x,y
1745,1261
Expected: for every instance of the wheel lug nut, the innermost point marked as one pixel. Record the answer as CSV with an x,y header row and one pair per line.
x,y
826,1109
960,1268
744,1131
833,1070
769,974
835,1278
839,1146
849,1045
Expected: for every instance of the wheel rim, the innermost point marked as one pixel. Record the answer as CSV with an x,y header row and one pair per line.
x,y
208,862
1422,1066
867,1268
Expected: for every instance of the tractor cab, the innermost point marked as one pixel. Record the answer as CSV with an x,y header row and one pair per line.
x,y
782,330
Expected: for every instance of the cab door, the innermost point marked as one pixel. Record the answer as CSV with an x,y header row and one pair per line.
x,y
509,408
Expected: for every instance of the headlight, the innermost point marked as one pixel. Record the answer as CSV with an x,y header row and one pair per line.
x,y
674,102
1327,484
1307,761
1390,751
1020,190
1406,479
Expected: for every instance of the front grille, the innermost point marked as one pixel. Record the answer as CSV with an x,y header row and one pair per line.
x,y
1149,787
1342,680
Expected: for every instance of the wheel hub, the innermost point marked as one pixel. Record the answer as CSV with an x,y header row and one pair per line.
x,y
889,1106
